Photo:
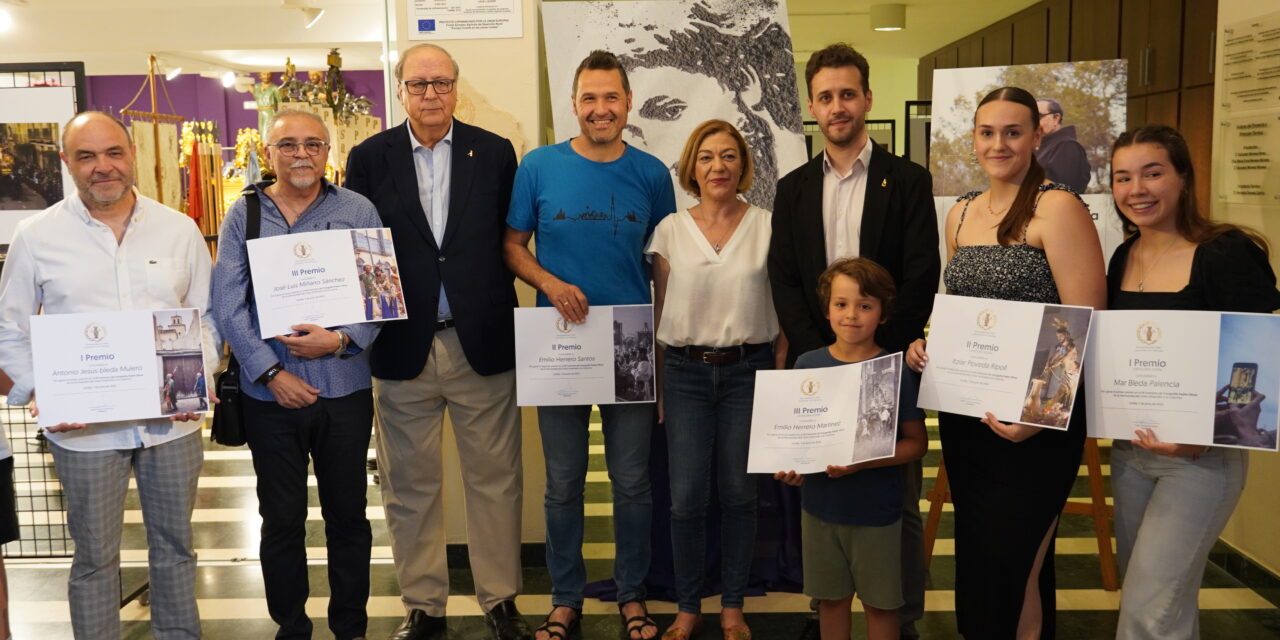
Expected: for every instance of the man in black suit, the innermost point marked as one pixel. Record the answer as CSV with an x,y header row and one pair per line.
x,y
857,199
443,188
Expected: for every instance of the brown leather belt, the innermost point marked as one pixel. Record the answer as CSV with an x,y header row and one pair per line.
x,y
719,355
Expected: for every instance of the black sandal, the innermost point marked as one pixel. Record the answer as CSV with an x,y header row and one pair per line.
x,y
636,624
558,630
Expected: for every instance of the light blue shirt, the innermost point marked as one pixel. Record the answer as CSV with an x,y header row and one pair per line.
x,y
434,167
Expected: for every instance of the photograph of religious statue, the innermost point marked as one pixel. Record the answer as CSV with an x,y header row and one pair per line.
x,y
877,430
688,62
30,170
633,366
379,274
1055,371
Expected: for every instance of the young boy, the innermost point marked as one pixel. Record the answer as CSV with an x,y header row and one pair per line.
x,y
851,520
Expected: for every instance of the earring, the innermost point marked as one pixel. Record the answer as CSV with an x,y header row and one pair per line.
x,y
973,157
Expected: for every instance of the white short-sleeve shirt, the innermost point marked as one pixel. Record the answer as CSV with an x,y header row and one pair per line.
x,y
716,299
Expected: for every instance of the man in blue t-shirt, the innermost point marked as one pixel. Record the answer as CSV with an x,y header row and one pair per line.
x,y
591,203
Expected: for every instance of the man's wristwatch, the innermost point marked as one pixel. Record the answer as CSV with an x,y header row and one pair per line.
x,y
343,341
270,374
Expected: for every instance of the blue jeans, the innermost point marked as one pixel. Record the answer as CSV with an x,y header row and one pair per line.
x,y
1168,513
627,428
708,417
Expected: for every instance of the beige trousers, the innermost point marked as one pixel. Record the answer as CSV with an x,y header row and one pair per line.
x,y
486,425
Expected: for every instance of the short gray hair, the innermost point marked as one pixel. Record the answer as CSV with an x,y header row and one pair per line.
x,y
404,55
292,113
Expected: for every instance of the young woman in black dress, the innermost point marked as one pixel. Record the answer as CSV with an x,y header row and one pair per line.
x,y
1029,240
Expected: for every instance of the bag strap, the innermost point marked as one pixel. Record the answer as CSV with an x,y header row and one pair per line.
x,y
252,230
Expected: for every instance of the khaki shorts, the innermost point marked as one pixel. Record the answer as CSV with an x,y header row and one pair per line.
x,y
843,559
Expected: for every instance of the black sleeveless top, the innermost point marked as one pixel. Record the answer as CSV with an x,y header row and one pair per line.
x,y
1018,272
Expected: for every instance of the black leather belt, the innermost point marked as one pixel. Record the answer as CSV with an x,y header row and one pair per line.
x,y
719,355
447,323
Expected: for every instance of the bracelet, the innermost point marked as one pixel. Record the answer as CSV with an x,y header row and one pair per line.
x,y
270,374
343,341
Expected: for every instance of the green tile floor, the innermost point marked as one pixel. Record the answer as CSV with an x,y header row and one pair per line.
x,y
229,584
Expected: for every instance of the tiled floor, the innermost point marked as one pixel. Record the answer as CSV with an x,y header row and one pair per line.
x,y
229,584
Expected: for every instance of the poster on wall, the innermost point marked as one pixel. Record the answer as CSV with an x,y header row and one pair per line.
x,y
1249,70
32,176
1251,148
464,19
1086,106
688,62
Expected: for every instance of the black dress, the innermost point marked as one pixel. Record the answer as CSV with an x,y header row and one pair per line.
x,y
1006,494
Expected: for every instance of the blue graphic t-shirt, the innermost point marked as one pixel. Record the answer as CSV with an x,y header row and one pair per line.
x,y
591,220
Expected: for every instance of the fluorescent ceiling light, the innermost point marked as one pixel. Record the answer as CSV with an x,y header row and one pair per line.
x,y
312,16
6,20
888,17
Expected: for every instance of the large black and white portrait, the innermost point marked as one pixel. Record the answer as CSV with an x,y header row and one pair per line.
x,y
688,62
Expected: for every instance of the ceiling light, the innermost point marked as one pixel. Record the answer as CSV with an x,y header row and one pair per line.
x,y
888,17
6,20
312,16
229,79
173,73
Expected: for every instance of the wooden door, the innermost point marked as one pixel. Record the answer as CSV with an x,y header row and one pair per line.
x,y
1199,30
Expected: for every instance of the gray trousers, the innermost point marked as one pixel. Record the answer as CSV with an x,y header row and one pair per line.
x,y
95,483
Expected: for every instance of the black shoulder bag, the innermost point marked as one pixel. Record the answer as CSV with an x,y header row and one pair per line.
x,y
228,428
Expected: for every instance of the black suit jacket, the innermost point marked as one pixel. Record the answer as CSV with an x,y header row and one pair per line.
x,y
469,259
899,231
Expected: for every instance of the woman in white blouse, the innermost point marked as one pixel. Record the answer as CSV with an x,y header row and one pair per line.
x,y
717,325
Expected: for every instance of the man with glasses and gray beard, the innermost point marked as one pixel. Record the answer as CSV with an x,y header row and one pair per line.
x,y
307,394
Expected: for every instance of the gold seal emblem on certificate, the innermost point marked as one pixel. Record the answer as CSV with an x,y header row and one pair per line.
x,y
302,250
1149,333
986,319
95,332
562,325
810,387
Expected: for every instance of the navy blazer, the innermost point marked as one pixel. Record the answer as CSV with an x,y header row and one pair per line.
x,y
899,231
469,259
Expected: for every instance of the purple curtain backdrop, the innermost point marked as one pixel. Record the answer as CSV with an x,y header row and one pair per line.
x,y
198,98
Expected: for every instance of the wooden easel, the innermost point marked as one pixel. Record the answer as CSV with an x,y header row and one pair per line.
x,y
155,116
1096,507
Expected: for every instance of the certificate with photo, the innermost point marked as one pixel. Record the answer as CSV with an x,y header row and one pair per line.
x,y
806,419
1191,377
327,278
118,365
1020,361
608,359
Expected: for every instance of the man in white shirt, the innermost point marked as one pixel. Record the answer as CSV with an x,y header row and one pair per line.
x,y
111,249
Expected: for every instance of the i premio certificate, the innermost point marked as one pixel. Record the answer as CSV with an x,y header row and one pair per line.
x,y
120,365
1191,377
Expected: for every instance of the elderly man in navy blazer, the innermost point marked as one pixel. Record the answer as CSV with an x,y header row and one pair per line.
x,y
443,187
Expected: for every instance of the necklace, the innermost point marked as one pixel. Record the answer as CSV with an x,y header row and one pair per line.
x,y
1142,269
996,213
717,245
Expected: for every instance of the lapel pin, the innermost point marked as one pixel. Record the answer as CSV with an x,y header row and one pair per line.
x,y
471,153
884,182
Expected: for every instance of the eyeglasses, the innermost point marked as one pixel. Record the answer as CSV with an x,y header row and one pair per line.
x,y
290,148
419,87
